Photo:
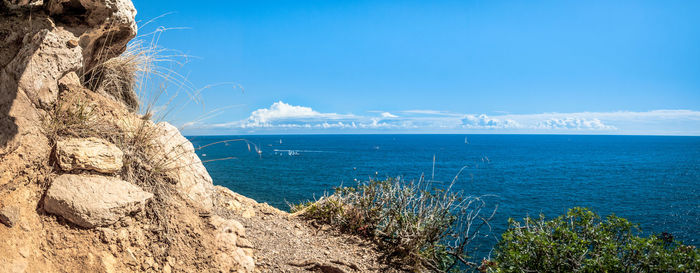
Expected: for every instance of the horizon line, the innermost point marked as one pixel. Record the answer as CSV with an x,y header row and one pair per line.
x,y
512,134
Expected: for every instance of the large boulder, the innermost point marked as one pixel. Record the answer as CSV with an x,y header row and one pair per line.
x,y
90,201
182,165
88,154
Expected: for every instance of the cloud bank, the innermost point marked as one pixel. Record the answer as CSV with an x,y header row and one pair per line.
x,y
483,121
574,123
282,117
283,114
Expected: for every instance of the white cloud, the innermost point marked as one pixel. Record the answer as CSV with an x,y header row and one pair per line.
x,y
574,123
283,117
280,111
389,115
483,121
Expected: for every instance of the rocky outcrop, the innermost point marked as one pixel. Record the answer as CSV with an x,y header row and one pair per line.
x,y
43,59
182,164
103,27
87,184
88,154
90,201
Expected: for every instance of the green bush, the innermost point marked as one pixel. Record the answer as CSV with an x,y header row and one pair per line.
x,y
581,241
419,228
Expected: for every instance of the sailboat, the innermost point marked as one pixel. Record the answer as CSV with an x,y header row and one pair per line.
x,y
280,141
465,140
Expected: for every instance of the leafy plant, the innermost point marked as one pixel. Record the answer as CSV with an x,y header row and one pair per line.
x,y
581,241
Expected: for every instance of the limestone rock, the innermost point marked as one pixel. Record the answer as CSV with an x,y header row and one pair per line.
x,y
184,166
234,251
68,80
111,24
228,201
90,200
9,215
41,61
88,154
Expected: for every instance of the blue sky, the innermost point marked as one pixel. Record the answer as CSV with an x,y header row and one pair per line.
x,y
578,67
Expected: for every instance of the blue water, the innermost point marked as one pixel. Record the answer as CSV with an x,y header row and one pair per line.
x,y
651,180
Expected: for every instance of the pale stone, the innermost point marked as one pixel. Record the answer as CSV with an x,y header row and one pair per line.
x,y
246,262
69,79
9,215
248,213
91,201
109,20
41,61
182,165
167,268
88,154
108,262
107,235
234,254
227,225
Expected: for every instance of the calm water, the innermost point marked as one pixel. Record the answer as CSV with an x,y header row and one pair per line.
x,y
651,180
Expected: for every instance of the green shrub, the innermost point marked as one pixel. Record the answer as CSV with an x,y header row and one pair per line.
x,y
418,227
581,241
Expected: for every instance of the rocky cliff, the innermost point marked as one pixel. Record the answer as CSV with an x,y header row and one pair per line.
x,y
87,184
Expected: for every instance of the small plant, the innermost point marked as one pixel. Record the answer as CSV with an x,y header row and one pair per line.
x,y
581,241
417,227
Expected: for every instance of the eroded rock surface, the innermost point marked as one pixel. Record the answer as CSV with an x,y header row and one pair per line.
x,y
234,250
88,154
182,164
90,200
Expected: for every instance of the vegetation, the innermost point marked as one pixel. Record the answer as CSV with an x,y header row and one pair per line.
x,y
425,229
581,241
124,78
418,227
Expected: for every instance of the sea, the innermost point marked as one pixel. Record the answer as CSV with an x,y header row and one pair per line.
x,y
651,180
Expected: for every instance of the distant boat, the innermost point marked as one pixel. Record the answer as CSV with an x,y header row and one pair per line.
x,y
465,140
280,141
204,154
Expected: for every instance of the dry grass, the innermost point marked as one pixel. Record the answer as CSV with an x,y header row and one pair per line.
x,y
417,226
125,79
142,79
116,77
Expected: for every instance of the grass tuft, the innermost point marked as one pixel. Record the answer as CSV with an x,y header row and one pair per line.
x,y
417,227
117,77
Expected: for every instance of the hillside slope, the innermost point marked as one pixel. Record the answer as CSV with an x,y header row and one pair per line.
x,y
89,185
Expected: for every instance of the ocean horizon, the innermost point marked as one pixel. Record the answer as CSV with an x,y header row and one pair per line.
x,y
650,180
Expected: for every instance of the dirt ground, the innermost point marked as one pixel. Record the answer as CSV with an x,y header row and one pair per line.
x,y
286,243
